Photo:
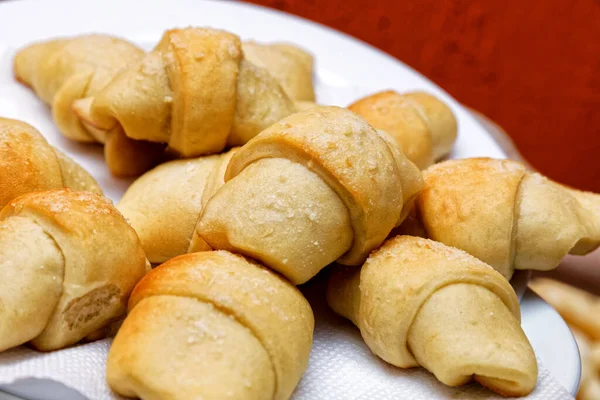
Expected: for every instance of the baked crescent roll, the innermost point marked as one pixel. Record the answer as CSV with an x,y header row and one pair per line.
x,y
68,262
318,186
212,325
64,70
194,92
578,307
164,204
290,65
505,215
423,126
419,302
28,164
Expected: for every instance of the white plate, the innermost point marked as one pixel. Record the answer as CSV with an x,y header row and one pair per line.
x,y
346,69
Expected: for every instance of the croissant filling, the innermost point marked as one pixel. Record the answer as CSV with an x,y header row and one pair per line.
x,y
92,305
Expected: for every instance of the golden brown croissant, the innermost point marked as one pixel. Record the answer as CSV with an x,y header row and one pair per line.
x,y
68,262
194,92
318,186
290,65
505,215
419,302
212,325
164,204
28,164
423,126
64,70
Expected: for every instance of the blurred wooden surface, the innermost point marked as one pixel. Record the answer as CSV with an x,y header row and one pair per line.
x,y
531,66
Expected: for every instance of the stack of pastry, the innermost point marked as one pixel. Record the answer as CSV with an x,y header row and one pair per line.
x,y
263,190
300,195
194,94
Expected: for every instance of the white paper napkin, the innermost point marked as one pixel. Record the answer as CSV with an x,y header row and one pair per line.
x,y
341,367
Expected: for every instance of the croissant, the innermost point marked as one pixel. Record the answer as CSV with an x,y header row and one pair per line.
x,y
212,325
578,307
64,70
28,163
318,186
164,204
423,126
505,215
419,302
68,261
290,65
194,92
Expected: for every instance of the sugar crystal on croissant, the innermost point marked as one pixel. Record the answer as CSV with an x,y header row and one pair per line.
x,y
506,215
289,64
28,164
65,72
68,262
62,71
212,325
422,125
194,92
164,204
419,302
318,186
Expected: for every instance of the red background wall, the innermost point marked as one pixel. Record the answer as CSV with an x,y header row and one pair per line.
x,y
533,66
